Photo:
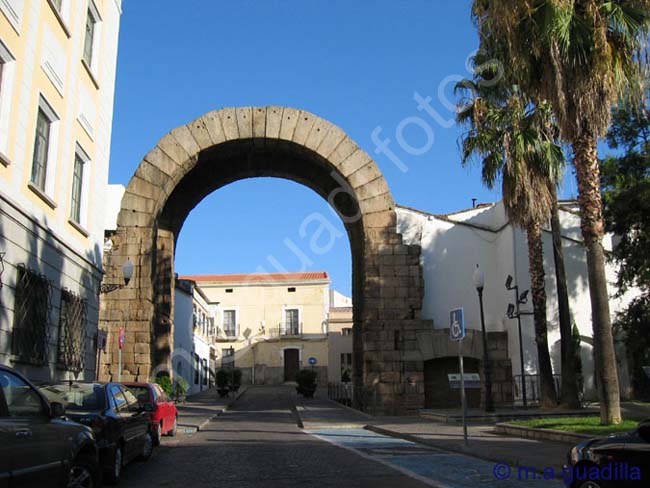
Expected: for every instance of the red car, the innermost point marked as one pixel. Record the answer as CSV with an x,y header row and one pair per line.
x,y
162,410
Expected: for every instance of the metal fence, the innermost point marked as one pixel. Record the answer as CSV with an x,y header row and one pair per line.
x,y
533,388
364,399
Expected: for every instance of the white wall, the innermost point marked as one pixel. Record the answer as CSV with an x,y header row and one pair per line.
x,y
452,245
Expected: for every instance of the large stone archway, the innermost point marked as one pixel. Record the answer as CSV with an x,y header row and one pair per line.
x,y
230,144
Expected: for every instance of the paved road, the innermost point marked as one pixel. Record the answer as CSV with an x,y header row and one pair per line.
x,y
257,444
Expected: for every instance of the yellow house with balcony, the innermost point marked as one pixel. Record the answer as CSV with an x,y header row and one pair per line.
x,y
57,80
269,325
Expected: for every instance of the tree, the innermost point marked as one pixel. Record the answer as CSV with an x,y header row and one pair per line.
x,y
512,141
626,193
580,56
570,387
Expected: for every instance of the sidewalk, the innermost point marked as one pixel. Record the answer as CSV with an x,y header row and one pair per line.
x,y
322,413
201,408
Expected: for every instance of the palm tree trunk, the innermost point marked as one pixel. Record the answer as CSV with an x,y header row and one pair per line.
x,y
569,394
592,226
538,292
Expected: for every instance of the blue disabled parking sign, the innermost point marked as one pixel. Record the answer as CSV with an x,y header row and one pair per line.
x,y
457,325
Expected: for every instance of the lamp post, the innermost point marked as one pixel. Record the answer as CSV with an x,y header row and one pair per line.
x,y
479,283
512,313
127,273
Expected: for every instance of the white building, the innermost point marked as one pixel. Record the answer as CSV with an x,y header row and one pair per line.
x,y
452,246
194,333
57,79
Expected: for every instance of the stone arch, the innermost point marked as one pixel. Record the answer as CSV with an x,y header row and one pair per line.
x,y
230,144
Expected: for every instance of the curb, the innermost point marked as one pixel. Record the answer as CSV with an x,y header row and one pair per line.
x,y
540,434
197,427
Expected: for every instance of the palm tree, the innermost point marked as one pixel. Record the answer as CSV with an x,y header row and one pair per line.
x,y
509,137
580,56
569,388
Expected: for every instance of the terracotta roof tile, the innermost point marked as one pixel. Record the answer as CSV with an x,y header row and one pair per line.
x,y
258,277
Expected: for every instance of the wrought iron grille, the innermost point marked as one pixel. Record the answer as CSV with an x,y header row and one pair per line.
x,y
72,331
31,317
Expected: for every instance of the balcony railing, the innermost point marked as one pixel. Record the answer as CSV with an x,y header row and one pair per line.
x,y
286,330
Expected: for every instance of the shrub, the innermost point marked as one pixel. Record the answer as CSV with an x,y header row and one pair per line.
x,y
180,387
222,379
306,377
165,383
236,377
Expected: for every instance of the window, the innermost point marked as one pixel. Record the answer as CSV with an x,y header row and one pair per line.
x,y
31,317
230,323
291,321
228,290
196,369
346,331
44,147
56,4
77,187
41,149
72,332
346,366
22,400
291,289
7,69
90,36
205,372
120,402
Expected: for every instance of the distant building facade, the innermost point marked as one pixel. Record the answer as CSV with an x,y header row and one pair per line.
x,y
194,334
339,338
57,79
269,325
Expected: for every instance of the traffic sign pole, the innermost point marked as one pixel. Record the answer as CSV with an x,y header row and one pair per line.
x,y
463,398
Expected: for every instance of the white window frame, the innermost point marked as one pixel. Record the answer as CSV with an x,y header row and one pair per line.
x,y
85,183
6,96
13,10
223,321
284,316
97,34
52,150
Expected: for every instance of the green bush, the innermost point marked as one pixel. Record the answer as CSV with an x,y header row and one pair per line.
x,y
306,378
223,378
165,383
236,377
180,387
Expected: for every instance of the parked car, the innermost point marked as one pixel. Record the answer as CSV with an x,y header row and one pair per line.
x,y
37,446
615,461
120,424
162,410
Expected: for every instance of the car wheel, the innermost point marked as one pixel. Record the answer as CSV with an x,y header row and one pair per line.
x,y
84,473
114,472
157,434
172,431
147,447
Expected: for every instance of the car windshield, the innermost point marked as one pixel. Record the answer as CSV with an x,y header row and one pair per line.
x,y
141,393
77,396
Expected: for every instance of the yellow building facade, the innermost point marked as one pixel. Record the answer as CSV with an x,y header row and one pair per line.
x,y
270,325
57,79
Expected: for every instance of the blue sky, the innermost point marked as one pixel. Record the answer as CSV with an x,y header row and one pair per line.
x,y
358,64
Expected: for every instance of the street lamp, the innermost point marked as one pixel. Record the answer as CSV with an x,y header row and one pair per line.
x,y
515,313
479,283
127,273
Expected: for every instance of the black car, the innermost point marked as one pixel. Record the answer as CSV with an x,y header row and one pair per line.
x,y
120,424
37,446
614,461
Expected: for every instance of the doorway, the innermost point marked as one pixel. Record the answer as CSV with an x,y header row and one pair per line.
x,y
291,364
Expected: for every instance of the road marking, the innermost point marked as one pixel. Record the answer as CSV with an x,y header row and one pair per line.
x,y
432,466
